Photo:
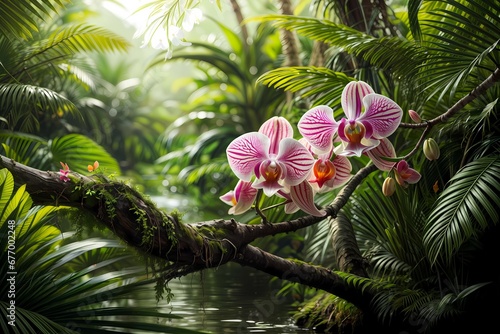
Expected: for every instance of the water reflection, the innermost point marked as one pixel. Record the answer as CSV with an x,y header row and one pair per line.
x,y
231,299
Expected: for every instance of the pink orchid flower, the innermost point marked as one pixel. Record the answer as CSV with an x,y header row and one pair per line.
x,y
272,155
325,175
406,175
359,131
241,198
328,174
63,173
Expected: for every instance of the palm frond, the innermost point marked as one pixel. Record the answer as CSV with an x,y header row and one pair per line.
x,y
18,16
457,49
469,204
397,55
318,244
25,148
68,40
79,151
20,102
213,168
413,9
321,84
364,283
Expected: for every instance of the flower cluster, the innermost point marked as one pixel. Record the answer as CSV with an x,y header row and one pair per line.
x,y
272,160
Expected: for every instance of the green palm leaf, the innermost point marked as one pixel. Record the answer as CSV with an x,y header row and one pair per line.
x,y
457,49
82,38
53,297
18,101
79,151
6,189
413,9
25,148
469,204
18,203
18,15
395,54
322,84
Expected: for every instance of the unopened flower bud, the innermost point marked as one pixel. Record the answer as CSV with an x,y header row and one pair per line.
x,y
414,116
389,186
431,149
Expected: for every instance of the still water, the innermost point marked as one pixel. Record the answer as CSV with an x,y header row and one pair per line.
x,y
230,299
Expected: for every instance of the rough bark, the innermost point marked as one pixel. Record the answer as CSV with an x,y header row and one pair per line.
x,y
239,17
289,41
345,247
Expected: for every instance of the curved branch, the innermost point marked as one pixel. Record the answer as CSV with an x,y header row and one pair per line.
x,y
474,94
427,125
301,272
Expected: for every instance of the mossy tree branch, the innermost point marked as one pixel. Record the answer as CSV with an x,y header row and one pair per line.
x,y
138,222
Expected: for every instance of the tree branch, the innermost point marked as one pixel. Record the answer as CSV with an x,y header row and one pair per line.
x,y
474,94
303,273
137,221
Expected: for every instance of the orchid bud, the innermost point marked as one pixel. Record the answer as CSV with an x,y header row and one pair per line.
x,y
431,149
414,116
389,186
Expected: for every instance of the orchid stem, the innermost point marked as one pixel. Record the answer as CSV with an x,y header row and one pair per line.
x,y
257,208
274,206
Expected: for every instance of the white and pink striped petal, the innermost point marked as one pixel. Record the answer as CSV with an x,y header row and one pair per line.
x,y
241,198
246,152
276,128
383,114
302,195
352,98
384,150
343,170
296,159
318,127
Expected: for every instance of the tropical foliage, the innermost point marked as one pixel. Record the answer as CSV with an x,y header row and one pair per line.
x,y
64,284
50,87
50,112
224,103
425,236
430,246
